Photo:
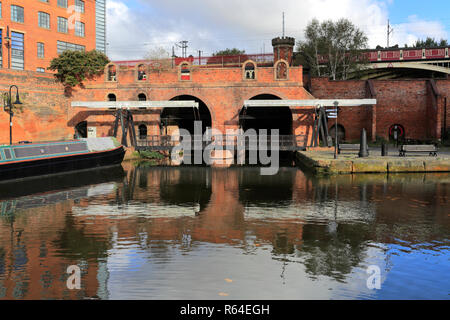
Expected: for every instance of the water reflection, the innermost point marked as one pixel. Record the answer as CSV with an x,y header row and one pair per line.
x,y
179,232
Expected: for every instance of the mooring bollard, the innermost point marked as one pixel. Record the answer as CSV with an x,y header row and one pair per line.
x,y
363,149
384,150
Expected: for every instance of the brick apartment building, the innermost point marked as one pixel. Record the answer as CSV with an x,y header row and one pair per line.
x,y
33,32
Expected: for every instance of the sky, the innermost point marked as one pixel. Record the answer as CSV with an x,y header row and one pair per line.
x,y
137,27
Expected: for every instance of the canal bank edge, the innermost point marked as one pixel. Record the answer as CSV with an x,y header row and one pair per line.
x,y
320,164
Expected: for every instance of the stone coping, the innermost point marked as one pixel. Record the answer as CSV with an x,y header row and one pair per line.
x,y
324,162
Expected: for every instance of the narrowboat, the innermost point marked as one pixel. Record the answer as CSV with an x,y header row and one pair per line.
x,y
34,159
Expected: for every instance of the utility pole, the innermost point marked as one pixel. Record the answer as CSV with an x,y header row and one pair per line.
x,y
390,30
183,45
199,57
283,25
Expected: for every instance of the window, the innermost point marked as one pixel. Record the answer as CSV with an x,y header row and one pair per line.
x,y
79,6
249,71
281,71
40,70
62,3
142,132
44,20
17,14
79,28
17,47
63,46
63,25
0,9
142,97
40,50
111,97
112,76
185,72
142,75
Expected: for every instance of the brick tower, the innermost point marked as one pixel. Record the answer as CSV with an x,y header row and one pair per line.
x,y
283,48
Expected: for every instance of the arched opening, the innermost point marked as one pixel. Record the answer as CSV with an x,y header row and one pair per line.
x,y
185,72
266,117
184,118
81,130
249,71
112,97
142,97
269,118
112,73
281,71
142,132
397,133
142,75
340,133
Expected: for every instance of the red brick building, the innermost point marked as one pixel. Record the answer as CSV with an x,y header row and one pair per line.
x,y
33,32
221,85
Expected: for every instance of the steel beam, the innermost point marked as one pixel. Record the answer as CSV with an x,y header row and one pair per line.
x,y
309,103
134,104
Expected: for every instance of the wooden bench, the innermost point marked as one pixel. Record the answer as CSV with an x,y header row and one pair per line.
x,y
348,147
418,148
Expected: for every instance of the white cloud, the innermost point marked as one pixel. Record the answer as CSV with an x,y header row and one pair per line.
x,y
135,26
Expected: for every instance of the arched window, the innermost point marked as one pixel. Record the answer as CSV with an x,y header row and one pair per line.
x,y
185,72
397,132
112,73
249,71
142,75
281,72
112,97
142,97
340,133
81,130
142,132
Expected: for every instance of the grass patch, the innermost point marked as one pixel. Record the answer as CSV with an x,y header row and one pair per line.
x,y
152,155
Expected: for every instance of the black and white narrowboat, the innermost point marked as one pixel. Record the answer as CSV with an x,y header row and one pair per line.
x,y
33,159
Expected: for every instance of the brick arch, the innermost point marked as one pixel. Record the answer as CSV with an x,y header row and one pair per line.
x,y
106,71
261,92
255,65
275,70
136,71
202,98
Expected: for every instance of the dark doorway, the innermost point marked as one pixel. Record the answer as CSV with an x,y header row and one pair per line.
x,y
266,117
397,133
81,130
184,118
142,132
340,133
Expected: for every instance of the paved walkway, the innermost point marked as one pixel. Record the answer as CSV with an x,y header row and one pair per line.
x,y
322,161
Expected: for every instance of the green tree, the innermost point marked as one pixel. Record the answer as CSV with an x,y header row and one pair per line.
x,y
332,49
73,67
430,43
229,52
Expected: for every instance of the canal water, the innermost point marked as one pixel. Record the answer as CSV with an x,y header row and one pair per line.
x,y
203,233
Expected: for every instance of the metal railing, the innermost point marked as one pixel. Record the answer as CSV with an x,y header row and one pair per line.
x,y
283,143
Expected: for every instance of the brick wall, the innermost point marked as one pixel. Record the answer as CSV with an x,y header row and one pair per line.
x,y
404,102
44,110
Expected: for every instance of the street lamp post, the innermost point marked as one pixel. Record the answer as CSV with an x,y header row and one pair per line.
x,y
8,107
